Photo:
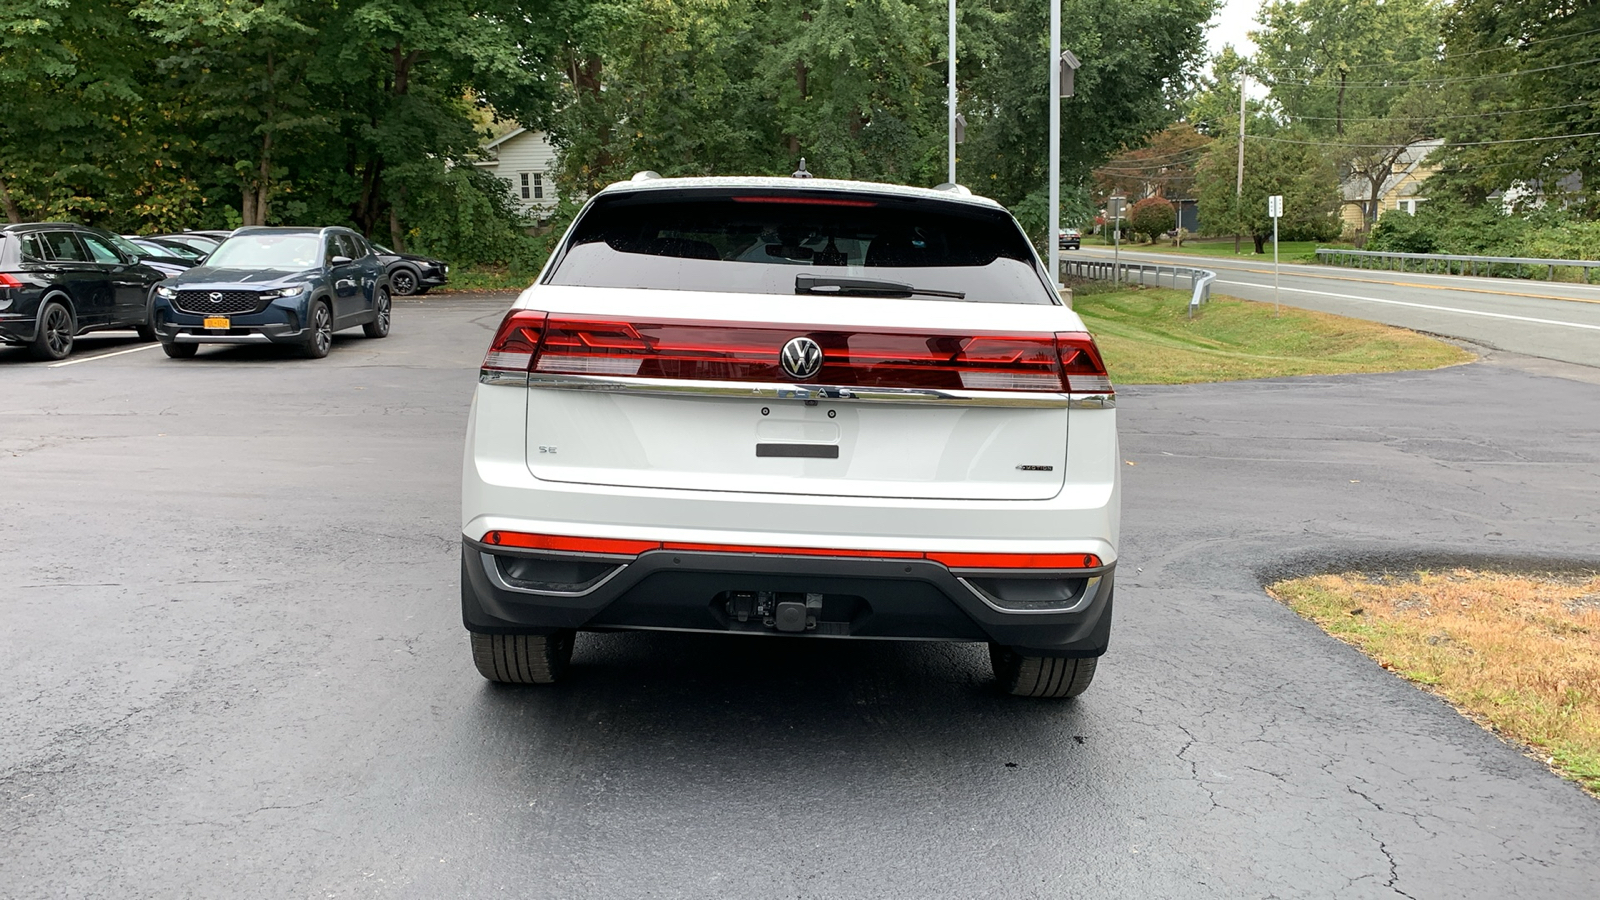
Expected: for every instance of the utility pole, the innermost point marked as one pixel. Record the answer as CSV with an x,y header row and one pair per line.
x,y
1238,184
1053,235
952,79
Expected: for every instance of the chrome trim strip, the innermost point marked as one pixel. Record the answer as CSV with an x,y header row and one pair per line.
x,y
499,581
1092,401
182,338
497,376
1090,591
807,392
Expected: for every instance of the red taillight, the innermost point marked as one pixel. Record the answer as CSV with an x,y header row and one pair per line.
x,y
1082,369
516,341
620,547
722,351
8,281
713,351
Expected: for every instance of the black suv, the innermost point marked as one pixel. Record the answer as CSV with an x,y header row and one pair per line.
x,y
412,274
59,280
275,286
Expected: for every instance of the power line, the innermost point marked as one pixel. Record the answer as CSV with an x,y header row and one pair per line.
x,y
1364,85
1198,149
1552,137
1483,115
1447,58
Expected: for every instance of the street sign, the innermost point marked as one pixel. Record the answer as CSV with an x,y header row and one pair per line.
x,y
1114,206
1275,210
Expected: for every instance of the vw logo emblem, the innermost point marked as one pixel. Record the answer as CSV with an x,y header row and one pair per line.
x,y
801,358
216,296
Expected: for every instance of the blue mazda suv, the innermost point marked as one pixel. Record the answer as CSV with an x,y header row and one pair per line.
x,y
293,286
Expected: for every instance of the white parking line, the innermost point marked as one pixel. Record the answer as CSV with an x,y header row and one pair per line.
x,y
83,359
1464,312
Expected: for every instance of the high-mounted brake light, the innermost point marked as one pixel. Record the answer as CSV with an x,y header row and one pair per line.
x,y
806,201
515,342
618,547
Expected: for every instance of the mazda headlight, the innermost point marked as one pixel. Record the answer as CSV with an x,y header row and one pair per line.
x,y
166,293
293,290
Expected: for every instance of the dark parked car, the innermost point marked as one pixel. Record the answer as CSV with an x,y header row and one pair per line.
x,y
275,286
410,273
59,280
201,242
172,249
1069,239
166,260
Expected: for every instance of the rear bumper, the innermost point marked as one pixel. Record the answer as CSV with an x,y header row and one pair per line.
x,y
844,597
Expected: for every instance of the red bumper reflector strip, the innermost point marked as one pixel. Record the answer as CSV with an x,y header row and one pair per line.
x,y
568,544
953,560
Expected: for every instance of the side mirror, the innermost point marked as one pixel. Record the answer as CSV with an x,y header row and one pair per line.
x,y
340,261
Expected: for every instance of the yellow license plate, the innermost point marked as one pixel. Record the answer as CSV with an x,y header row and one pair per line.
x,y
217,322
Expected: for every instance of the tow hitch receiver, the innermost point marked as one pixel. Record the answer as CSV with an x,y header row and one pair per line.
x,y
785,612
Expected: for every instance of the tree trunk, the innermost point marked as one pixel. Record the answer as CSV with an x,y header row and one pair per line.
x,y
397,240
1261,243
247,206
264,180
13,212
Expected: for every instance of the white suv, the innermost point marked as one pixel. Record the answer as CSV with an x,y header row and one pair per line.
x,y
768,407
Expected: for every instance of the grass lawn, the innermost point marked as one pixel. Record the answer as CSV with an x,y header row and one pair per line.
x,y
1519,654
1147,337
1288,251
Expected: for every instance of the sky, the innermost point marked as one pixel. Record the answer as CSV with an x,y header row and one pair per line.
x,y
1232,20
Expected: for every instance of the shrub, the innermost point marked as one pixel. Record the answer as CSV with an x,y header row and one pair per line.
x,y
1153,216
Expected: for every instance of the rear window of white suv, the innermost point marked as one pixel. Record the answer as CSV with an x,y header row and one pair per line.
x,y
775,242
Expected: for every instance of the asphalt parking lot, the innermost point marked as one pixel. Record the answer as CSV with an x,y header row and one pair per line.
x,y
232,662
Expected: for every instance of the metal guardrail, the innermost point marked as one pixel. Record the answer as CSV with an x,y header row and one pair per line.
x,y
1452,264
1137,272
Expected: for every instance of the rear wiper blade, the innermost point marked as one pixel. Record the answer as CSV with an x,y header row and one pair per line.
x,y
864,287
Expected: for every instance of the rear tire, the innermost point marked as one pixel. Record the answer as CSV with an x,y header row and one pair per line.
x,y
382,309
1040,676
56,330
319,336
147,333
175,350
522,658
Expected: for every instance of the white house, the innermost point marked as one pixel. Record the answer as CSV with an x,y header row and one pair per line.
x,y
525,160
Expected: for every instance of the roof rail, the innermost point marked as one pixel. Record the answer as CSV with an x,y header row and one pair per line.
x,y
953,188
646,175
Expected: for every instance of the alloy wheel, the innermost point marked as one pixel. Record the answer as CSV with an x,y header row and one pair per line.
x,y
58,331
322,322
404,282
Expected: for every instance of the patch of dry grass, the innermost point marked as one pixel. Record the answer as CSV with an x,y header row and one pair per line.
x,y
1519,654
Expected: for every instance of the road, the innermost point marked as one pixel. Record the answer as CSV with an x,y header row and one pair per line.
x,y
232,663
1546,319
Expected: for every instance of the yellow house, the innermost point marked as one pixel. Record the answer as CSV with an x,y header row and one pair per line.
x,y
1401,190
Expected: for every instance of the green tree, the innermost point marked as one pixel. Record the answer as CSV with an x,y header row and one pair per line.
x,y
1331,63
1301,172
1522,72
